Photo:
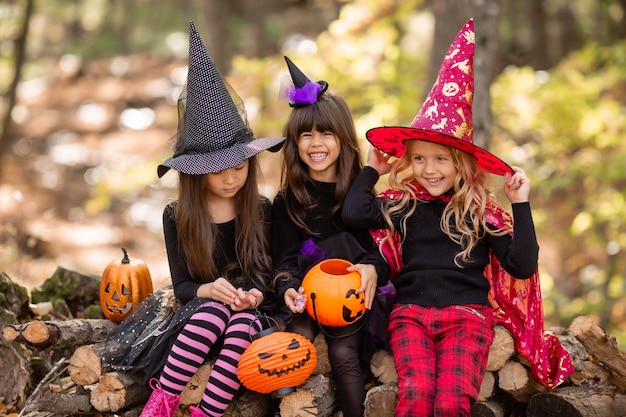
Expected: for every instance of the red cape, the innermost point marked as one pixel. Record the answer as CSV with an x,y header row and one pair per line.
x,y
516,303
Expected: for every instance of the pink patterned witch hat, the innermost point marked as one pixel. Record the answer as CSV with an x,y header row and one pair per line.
x,y
446,115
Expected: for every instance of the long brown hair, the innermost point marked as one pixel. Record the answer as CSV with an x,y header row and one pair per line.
x,y
197,231
464,218
329,113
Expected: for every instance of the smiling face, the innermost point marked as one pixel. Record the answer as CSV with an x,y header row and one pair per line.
x,y
432,165
320,152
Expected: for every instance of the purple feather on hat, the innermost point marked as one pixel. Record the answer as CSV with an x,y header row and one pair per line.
x,y
306,94
303,92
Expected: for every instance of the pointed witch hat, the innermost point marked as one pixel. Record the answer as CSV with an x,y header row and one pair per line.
x,y
214,136
446,115
303,92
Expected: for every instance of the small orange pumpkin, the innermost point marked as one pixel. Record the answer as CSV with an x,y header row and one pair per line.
x,y
124,284
332,299
277,362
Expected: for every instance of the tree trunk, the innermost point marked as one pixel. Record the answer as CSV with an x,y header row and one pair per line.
x,y
18,64
486,23
217,17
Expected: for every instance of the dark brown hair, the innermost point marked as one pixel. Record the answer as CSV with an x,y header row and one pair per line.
x,y
329,113
197,231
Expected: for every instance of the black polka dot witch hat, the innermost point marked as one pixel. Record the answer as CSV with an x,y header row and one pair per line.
x,y
214,136
446,115
303,91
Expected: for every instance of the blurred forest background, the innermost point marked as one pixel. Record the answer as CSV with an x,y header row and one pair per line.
x,y
87,106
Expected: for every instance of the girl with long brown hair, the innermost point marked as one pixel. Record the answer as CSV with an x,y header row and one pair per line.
x,y
216,236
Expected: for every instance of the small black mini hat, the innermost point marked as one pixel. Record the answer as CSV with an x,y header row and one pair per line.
x,y
215,135
303,92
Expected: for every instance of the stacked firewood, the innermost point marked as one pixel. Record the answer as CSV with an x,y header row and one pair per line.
x,y
82,384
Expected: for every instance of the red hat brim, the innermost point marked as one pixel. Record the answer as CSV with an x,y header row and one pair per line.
x,y
391,140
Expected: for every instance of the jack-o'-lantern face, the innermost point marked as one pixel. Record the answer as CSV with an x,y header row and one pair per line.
x,y
277,362
354,306
118,300
291,359
124,284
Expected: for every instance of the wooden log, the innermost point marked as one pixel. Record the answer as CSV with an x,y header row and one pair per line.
x,y
499,405
249,404
316,396
577,351
381,401
603,347
14,372
85,366
12,334
62,385
488,409
488,386
194,390
590,372
58,334
501,350
383,368
583,401
323,363
60,404
116,391
515,379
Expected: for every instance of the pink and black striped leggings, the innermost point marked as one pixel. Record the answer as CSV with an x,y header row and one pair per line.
x,y
211,321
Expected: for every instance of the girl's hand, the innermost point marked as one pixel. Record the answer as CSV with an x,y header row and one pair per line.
x,y
517,186
379,161
219,290
246,300
369,279
295,300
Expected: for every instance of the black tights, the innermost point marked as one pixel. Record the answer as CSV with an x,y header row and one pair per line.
x,y
343,353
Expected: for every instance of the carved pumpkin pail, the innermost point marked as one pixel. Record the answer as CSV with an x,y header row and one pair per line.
x,y
331,293
124,284
276,363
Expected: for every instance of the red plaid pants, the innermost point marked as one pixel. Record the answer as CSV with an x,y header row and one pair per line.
x,y
440,354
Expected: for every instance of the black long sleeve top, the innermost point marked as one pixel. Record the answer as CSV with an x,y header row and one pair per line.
x,y
430,277
287,237
185,287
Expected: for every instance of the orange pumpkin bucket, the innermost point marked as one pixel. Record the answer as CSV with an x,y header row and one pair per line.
x,y
332,299
277,362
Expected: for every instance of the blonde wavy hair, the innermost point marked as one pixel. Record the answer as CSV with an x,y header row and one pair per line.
x,y
464,218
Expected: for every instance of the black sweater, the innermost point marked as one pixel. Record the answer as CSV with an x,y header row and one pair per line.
x,y
185,287
287,237
430,277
